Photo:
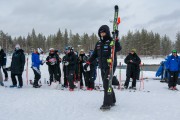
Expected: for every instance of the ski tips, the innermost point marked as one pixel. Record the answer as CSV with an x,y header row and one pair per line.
x,y
118,20
116,7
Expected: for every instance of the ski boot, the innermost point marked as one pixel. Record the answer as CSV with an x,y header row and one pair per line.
x,y
19,86
1,83
171,88
13,86
36,86
175,88
105,107
6,79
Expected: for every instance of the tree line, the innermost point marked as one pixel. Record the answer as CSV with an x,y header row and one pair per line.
x,y
146,43
149,43
58,41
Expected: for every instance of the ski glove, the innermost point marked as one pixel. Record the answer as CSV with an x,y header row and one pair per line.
x,y
4,66
86,65
116,32
66,63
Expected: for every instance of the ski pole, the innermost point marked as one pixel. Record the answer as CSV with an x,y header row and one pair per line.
x,y
119,77
142,76
27,70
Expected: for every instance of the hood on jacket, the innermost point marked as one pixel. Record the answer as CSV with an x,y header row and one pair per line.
x,y
104,28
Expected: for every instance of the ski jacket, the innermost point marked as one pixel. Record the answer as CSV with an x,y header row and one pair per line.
x,y
72,59
18,62
3,58
173,63
102,49
82,58
94,64
36,62
53,60
132,66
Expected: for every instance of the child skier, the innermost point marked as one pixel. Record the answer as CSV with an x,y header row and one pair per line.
x,y
36,62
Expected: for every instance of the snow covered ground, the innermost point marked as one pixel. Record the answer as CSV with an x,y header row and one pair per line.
x,y
50,104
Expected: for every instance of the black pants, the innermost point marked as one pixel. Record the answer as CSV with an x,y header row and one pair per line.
x,y
37,75
53,72
89,78
65,76
70,77
108,98
173,78
5,72
14,81
130,74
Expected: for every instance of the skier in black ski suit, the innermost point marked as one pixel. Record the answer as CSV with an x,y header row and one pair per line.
x,y
70,63
3,60
90,75
17,66
65,68
57,52
132,61
53,64
102,51
81,61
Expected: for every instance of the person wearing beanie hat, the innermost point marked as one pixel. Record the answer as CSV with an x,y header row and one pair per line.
x,y
173,68
53,62
133,50
132,60
70,62
17,66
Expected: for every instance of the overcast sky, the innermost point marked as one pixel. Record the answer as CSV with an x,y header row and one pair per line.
x,y
18,17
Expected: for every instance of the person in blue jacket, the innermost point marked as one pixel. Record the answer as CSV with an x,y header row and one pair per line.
x,y
36,62
173,68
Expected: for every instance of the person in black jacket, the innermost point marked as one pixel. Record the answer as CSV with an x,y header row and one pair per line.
x,y
17,66
81,60
53,64
90,73
70,64
57,52
65,68
102,51
3,61
132,61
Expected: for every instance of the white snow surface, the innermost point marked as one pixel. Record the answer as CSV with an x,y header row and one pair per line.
x,y
46,103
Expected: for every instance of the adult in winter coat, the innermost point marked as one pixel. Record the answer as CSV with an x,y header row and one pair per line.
x,y
102,51
132,71
70,64
36,62
53,64
17,66
3,60
173,68
81,61
90,74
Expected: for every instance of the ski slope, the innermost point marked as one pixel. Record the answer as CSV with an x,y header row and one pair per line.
x,y
47,103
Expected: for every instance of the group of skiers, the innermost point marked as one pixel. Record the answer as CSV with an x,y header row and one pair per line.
x,y
83,68
73,68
